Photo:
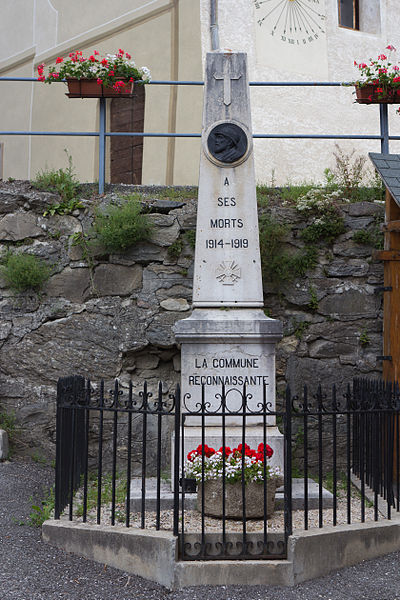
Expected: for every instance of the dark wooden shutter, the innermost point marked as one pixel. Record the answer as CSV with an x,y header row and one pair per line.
x,y
127,114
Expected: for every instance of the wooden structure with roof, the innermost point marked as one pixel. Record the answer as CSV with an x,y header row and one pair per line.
x,y
388,166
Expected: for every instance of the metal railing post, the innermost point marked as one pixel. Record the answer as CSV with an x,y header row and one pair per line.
x,y
102,145
384,123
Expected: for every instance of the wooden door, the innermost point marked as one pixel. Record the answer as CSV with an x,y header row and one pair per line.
x,y
127,114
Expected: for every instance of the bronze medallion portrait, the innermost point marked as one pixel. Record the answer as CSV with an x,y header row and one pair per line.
x,y
227,142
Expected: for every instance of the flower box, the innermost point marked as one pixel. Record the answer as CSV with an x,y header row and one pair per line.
x,y
208,466
95,77
89,88
380,79
254,499
369,94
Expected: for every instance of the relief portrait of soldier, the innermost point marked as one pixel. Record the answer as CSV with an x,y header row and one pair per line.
x,y
227,142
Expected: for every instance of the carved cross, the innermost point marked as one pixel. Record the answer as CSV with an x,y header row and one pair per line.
x,y
227,77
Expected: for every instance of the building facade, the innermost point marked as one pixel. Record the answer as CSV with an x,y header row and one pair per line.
x,y
286,40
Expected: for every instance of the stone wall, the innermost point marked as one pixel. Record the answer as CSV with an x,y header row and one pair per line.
x,y
114,318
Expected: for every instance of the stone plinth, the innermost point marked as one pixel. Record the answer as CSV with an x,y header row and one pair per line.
x,y
232,347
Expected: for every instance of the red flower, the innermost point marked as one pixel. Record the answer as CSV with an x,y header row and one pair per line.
x,y
268,450
207,451
59,59
379,90
41,78
111,73
192,454
99,81
104,62
121,52
96,53
128,56
390,47
251,453
92,58
382,57
228,451
246,447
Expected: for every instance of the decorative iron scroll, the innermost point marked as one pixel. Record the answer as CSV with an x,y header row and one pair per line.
x,y
222,403
84,394
213,547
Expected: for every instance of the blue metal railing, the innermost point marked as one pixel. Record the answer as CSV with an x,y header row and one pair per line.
x,y
102,134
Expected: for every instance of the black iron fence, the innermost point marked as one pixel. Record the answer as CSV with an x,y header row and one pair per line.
x,y
337,456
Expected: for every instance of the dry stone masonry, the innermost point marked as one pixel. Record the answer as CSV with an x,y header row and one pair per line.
x,y
115,318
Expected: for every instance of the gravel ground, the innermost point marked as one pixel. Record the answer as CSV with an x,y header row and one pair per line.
x,y
32,570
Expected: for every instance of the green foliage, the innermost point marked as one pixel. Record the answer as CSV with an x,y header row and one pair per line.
x,y
313,304
291,193
276,263
341,482
190,237
369,237
175,249
297,473
320,206
300,328
324,229
62,182
42,510
364,338
63,208
38,458
24,272
8,423
119,227
348,172
106,493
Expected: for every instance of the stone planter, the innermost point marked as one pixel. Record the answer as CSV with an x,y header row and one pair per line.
x,y
254,497
368,94
89,88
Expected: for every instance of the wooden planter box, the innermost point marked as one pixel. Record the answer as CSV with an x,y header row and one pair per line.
x,y
254,496
368,95
89,88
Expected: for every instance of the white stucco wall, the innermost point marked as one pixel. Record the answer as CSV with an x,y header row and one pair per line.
x,y
307,110
171,37
161,34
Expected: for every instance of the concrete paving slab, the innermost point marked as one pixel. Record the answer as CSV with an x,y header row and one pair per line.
x,y
167,497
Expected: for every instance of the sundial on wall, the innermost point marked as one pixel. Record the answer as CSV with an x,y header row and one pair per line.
x,y
290,35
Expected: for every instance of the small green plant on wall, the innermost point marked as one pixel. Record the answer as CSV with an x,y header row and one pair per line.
x,y
320,207
277,264
23,272
175,249
118,227
364,338
62,182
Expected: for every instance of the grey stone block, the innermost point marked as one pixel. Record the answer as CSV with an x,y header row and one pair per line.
x,y
4,448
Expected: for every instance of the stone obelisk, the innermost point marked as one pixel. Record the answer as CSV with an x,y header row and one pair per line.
x,y
228,339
